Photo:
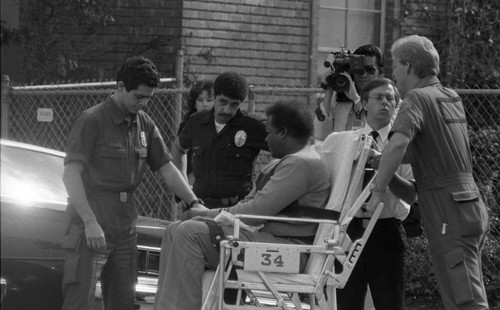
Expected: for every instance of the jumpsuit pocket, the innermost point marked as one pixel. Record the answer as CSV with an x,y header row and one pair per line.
x,y
458,274
452,110
142,154
71,243
469,212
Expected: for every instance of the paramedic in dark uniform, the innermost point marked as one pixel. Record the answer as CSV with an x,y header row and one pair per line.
x,y
107,149
431,128
225,142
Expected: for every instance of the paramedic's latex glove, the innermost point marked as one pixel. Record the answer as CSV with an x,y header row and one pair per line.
x,y
376,198
352,93
196,210
225,218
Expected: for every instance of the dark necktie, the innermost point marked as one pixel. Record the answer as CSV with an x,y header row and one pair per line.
x,y
369,170
374,135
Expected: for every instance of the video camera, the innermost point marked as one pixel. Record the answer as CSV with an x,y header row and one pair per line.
x,y
343,61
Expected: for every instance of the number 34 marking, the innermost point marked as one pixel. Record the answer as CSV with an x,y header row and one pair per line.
x,y
268,259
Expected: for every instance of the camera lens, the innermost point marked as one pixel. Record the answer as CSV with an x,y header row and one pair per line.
x,y
340,83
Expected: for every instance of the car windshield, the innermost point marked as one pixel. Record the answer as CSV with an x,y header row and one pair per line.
x,y
30,175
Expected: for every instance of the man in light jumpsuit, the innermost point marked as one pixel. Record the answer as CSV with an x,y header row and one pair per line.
x,y
431,128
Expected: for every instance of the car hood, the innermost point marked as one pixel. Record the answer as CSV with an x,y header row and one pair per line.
x,y
150,231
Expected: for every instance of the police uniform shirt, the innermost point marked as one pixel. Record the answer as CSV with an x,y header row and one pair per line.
x,y
114,147
223,162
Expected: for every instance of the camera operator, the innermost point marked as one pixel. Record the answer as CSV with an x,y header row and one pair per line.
x,y
341,110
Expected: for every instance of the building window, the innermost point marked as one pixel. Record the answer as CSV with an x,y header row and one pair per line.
x,y
349,23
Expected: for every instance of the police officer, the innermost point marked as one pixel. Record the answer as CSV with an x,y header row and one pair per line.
x,y
432,128
108,148
225,142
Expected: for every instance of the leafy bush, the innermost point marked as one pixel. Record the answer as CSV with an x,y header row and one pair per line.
x,y
471,44
55,35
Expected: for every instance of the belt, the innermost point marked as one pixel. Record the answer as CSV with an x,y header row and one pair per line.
x,y
442,181
381,223
113,196
223,202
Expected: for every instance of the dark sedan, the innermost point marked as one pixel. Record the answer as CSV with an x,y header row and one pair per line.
x,y
33,201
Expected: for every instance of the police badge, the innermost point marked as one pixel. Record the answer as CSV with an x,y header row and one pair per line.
x,y
240,138
144,143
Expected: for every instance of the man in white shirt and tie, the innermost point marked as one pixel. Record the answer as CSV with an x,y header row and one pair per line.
x,y
381,264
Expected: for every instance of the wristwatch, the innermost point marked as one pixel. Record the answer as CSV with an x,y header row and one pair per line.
x,y
197,200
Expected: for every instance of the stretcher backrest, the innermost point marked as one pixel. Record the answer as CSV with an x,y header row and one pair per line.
x,y
345,154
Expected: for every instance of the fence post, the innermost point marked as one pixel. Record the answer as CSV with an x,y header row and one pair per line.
x,y
176,209
5,106
251,99
179,77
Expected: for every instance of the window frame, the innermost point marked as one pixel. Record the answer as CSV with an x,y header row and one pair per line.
x,y
347,10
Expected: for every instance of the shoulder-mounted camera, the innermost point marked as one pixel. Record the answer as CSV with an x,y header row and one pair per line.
x,y
339,62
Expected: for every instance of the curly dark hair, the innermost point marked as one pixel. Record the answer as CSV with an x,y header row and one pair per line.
x,y
138,70
295,116
232,85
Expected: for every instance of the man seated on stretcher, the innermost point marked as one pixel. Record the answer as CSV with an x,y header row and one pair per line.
x,y
297,178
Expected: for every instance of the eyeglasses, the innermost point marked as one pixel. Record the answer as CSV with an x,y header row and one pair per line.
x,y
370,69
379,97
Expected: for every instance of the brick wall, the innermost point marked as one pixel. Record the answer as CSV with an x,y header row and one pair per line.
x,y
266,40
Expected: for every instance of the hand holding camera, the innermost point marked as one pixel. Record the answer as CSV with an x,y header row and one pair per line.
x,y
343,65
351,92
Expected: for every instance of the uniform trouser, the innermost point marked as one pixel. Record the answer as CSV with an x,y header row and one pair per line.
x,y
455,220
458,271
116,267
380,266
186,252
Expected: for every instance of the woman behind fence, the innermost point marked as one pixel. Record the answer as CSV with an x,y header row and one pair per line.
x,y
200,99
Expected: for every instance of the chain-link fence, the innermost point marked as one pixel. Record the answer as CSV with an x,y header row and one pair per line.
x,y
21,121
